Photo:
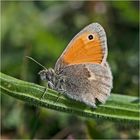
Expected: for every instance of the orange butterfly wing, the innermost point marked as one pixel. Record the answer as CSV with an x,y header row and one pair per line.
x,y
83,50
88,46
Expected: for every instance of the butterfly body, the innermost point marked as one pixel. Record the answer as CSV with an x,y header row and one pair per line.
x,y
82,71
55,81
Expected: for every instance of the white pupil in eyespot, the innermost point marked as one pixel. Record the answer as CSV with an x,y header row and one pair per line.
x,y
90,37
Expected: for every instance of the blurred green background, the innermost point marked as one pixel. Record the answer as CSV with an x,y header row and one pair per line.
x,y
42,29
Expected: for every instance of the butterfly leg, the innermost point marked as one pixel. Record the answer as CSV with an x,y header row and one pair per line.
x,y
49,85
42,96
60,88
60,91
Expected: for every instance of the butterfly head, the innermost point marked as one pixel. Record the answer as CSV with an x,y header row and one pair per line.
x,y
47,74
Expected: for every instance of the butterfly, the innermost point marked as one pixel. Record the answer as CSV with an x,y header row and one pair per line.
x,y
82,71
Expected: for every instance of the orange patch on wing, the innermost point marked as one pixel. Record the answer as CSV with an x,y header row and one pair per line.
x,y
83,50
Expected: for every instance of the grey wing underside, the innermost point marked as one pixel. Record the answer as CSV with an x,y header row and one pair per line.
x,y
88,82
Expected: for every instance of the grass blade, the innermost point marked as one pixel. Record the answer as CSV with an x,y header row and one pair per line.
x,y
118,107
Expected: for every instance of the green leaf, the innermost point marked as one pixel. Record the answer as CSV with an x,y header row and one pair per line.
x,y
118,107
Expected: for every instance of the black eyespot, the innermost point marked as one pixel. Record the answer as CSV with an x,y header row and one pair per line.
x,y
90,37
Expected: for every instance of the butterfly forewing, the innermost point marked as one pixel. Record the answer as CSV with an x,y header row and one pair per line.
x,y
84,50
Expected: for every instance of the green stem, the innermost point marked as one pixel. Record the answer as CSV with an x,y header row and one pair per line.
x,y
118,107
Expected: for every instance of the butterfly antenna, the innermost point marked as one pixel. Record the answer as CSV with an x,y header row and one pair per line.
x,y
36,62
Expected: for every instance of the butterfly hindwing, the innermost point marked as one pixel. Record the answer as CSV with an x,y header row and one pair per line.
x,y
88,82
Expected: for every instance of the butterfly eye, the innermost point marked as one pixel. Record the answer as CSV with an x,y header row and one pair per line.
x,y
90,37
